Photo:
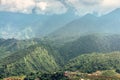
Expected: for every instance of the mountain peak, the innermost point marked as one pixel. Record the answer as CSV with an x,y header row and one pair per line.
x,y
89,16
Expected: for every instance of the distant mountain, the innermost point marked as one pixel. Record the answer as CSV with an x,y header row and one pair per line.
x,y
88,24
22,26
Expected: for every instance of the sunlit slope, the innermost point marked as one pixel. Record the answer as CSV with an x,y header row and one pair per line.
x,y
32,59
9,46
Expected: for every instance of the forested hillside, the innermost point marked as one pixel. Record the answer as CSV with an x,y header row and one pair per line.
x,y
96,61
91,43
9,46
35,58
89,53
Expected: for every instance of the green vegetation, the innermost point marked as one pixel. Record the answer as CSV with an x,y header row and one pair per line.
x,y
91,43
109,73
95,61
57,48
40,58
32,59
10,46
48,76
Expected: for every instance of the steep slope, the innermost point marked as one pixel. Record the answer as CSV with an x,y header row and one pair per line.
x,y
76,28
87,24
33,59
95,61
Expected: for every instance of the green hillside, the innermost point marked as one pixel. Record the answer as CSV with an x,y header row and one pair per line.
x,y
89,44
95,61
9,46
89,53
33,59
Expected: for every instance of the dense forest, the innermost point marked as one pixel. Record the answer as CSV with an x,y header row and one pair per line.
x,y
40,58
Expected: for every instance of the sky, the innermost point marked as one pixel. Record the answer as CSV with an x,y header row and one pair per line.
x,y
79,7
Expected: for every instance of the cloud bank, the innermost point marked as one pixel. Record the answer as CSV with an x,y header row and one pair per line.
x,y
93,6
27,6
80,7
50,7
23,6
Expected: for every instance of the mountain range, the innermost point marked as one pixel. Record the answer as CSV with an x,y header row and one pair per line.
x,y
68,42
22,26
89,24
25,26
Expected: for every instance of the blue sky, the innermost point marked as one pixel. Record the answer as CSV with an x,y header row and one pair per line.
x,y
80,7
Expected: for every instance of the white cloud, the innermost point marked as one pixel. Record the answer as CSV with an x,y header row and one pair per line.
x,y
83,7
50,7
24,6
42,5
109,5
27,6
